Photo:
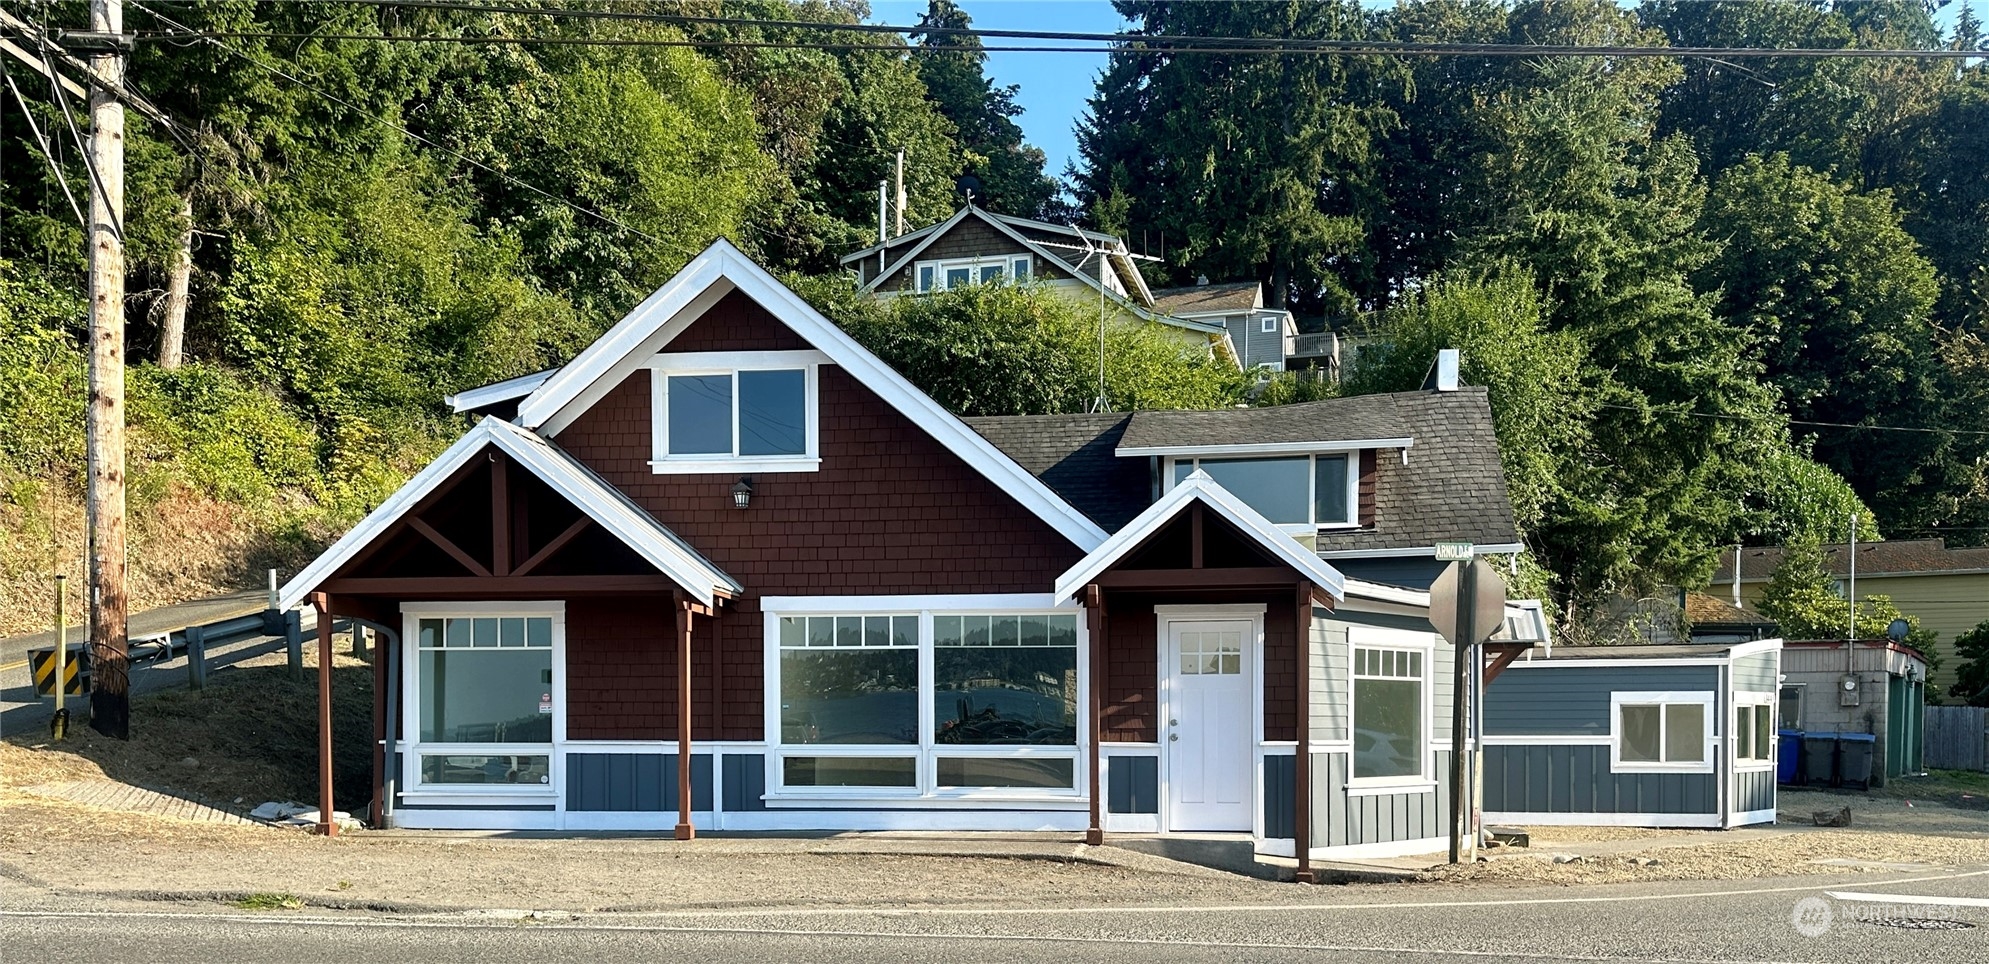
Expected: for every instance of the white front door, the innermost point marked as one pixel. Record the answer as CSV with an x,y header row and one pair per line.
x,y
1208,726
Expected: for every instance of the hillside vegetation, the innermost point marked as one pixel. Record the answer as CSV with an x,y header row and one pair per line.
x,y
1679,277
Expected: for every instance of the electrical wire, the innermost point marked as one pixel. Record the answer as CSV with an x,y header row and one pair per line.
x,y
113,209
1797,421
46,152
185,32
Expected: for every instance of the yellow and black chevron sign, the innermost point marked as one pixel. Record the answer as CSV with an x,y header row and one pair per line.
x,y
75,672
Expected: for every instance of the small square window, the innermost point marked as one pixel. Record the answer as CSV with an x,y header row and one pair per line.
x,y
1270,324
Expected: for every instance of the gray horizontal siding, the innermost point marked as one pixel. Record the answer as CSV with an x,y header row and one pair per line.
x,y
1576,779
1573,700
1328,693
1339,820
1759,673
1132,784
633,782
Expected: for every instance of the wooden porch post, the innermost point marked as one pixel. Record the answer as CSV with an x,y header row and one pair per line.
x,y
1094,609
1302,763
684,829
326,825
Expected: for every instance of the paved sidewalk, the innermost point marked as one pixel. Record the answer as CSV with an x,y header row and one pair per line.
x,y
125,798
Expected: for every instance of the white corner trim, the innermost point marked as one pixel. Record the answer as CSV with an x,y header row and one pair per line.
x,y
1198,486
725,266
1746,817
1326,446
563,475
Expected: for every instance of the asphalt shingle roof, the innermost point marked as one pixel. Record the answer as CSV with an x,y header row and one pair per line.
x,y
1874,558
1451,488
1235,296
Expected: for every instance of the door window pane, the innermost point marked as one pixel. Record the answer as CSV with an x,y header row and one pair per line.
x,y
1764,743
700,414
1329,490
1640,736
996,772
773,412
849,771
1684,733
1743,732
844,696
1276,488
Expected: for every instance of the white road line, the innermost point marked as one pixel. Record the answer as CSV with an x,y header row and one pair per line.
x,y
1848,895
509,925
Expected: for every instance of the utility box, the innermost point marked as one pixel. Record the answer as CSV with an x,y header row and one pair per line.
x,y
1847,690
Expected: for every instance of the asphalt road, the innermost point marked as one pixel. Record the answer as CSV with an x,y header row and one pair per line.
x,y
1702,922
22,711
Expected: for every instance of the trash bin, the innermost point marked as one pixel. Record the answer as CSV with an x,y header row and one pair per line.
x,y
1854,759
1788,755
1820,759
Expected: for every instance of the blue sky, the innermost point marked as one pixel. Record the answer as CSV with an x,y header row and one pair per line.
x,y
1055,86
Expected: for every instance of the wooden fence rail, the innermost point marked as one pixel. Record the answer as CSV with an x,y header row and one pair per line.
x,y
1957,738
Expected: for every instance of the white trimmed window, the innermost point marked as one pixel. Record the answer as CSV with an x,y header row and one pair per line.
x,y
925,704
1390,686
1754,728
1270,324
961,272
1300,493
719,412
483,694
1661,732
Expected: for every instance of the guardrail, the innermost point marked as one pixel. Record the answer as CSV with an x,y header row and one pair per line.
x,y
194,640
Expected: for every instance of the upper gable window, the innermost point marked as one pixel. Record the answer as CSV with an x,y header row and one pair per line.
x,y
1299,493
960,272
721,412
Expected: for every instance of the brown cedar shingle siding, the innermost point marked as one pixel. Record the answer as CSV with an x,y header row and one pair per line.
x,y
1369,484
1132,685
890,512
970,238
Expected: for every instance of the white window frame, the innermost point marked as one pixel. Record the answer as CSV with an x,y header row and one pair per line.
x,y
927,750
662,367
1007,263
412,748
1802,697
1362,637
1710,754
1353,457
1768,703
1269,325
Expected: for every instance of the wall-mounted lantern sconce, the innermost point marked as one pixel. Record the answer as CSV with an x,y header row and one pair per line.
x,y
742,492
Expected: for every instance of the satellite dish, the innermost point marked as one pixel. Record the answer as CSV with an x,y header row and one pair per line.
x,y
1897,630
969,187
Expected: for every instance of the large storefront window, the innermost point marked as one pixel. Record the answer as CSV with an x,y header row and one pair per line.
x,y
484,700
929,703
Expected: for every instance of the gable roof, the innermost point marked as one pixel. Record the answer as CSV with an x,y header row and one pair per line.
x,y
1897,557
1198,487
1231,297
609,509
718,271
1452,487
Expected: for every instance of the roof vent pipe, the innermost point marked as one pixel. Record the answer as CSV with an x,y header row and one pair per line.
x,y
1446,370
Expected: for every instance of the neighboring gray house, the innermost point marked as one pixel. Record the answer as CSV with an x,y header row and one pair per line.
x,y
1643,736
1264,337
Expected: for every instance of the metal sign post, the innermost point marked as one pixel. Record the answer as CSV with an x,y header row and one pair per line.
x,y
1467,605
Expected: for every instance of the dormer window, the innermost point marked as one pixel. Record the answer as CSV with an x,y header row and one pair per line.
x,y
960,272
723,412
1301,493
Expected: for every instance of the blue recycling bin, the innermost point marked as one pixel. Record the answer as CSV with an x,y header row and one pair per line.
x,y
1788,755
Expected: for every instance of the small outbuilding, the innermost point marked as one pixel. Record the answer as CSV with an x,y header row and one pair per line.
x,y
1875,688
1634,736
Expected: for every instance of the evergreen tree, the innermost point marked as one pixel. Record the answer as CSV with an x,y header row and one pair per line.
x,y
1010,172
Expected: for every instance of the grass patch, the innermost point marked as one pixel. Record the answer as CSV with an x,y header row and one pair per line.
x,y
269,901
1965,789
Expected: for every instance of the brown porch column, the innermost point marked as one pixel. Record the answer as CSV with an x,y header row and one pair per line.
x,y
684,829
1302,765
1094,610
326,825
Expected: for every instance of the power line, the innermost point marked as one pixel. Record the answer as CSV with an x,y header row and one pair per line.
x,y
1798,421
1119,42
182,31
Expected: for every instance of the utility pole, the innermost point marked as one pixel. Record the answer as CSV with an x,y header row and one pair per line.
x,y
899,197
110,693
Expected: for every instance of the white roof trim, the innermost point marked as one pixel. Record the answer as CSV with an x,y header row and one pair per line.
x,y
607,507
855,256
724,264
906,258
1198,486
495,392
1268,448
1492,549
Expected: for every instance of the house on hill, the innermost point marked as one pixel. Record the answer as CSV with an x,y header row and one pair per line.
x,y
726,569
978,246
